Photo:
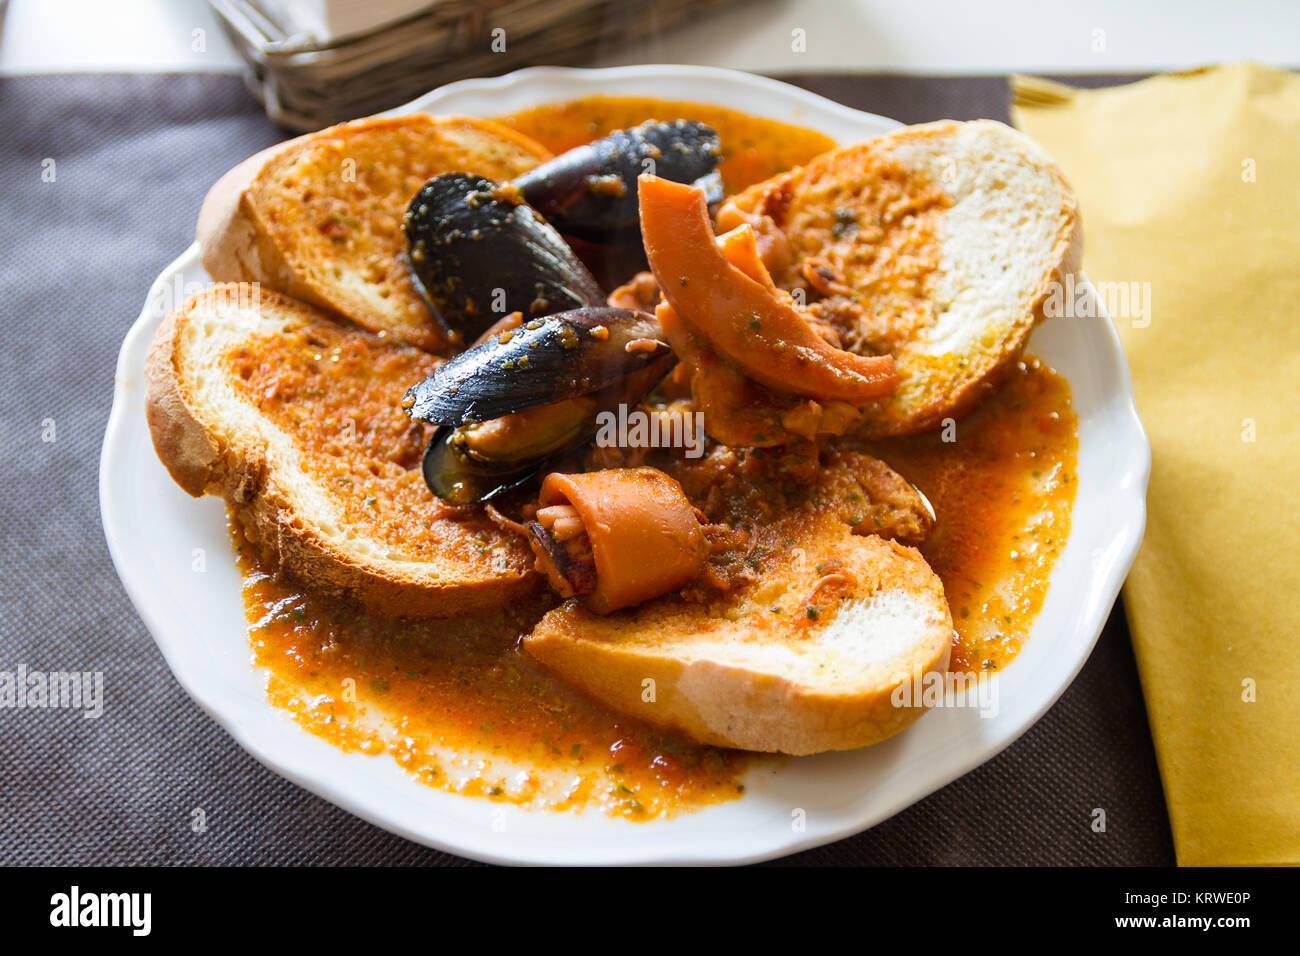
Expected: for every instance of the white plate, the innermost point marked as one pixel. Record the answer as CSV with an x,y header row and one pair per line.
x,y
175,561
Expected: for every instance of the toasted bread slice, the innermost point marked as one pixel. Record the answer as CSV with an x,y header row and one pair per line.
x,y
807,655
320,217
295,419
938,244
780,668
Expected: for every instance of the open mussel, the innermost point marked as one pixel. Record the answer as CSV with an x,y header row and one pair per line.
x,y
477,252
523,396
590,191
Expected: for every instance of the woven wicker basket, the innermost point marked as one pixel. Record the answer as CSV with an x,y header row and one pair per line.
x,y
304,86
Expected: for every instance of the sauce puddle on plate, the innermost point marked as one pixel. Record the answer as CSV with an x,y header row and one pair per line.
x,y
1002,488
460,706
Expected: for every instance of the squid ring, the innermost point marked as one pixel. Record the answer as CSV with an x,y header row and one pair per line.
x,y
617,537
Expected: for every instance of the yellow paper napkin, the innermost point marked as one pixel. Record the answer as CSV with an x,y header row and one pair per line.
x,y
1189,186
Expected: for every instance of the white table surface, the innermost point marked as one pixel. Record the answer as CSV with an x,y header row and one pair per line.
x,y
903,36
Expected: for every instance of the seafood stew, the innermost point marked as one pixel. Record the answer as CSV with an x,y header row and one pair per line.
x,y
731,335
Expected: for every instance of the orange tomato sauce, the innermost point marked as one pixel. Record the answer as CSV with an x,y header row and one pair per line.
x,y
1002,488
337,391
459,705
753,148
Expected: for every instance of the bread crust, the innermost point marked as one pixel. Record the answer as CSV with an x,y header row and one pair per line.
x,y
179,438
203,460
780,716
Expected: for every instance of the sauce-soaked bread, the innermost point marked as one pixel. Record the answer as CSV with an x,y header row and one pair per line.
x,y
806,660
295,419
938,244
826,614
320,217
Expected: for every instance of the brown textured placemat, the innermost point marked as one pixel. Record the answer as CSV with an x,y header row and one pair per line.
x,y
132,156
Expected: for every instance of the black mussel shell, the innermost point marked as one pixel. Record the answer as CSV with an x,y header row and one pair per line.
x,y
590,190
476,253
540,362
459,477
